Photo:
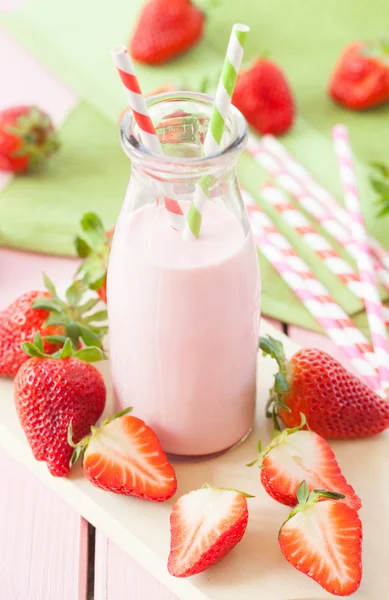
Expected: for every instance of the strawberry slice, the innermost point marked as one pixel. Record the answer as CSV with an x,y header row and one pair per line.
x,y
205,525
124,456
295,455
324,541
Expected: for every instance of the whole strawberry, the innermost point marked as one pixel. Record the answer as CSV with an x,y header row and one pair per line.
x,y
53,391
124,456
361,77
45,313
336,404
165,29
94,246
264,97
27,138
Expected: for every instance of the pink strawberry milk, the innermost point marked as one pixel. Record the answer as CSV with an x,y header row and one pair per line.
x,y
184,314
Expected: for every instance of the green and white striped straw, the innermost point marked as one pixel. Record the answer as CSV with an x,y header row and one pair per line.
x,y
219,114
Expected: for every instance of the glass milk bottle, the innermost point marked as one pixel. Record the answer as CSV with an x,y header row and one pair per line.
x,y
184,315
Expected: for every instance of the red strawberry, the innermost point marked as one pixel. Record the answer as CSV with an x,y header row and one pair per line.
x,y
27,138
205,525
46,313
18,324
264,97
166,28
336,404
94,247
124,456
361,77
52,392
295,455
324,541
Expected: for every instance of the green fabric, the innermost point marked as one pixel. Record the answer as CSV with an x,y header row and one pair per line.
x,y
42,212
304,37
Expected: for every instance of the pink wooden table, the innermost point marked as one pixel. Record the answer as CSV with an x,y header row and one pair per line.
x,y
48,552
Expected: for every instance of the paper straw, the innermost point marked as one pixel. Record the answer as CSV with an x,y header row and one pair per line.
x,y
148,135
313,295
313,197
318,243
365,265
221,106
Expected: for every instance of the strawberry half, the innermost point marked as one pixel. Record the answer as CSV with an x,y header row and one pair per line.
x,y
124,456
324,541
336,404
295,455
205,525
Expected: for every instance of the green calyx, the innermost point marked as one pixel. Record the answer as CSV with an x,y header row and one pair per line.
x,y
278,438
88,354
379,181
75,316
82,445
38,136
307,499
94,247
378,49
274,348
212,487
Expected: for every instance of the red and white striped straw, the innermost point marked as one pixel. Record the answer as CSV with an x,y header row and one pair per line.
x,y
313,197
365,265
312,293
148,135
318,243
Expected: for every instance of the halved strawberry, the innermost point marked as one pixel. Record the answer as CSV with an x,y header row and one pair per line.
x,y
324,541
124,456
295,455
205,525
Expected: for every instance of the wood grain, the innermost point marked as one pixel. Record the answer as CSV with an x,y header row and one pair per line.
x,y
43,542
119,577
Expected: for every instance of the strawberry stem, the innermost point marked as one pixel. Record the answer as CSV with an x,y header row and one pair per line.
x,y
306,499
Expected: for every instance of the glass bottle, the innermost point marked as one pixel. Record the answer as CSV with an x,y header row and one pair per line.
x,y
184,315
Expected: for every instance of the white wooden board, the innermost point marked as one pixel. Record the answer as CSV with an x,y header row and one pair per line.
x,y
255,569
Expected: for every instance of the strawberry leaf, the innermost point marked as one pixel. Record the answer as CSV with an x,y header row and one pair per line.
x,y
55,339
302,492
46,304
82,247
49,285
101,315
381,168
67,349
90,354
38,342
75,292
89,337
94,229
32,350
379,186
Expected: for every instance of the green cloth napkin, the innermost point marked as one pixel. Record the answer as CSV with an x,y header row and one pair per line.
x,y
305,38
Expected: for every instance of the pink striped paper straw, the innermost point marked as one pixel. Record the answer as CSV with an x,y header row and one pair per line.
x,y
148,135
319,244
315,199
312,294
365,265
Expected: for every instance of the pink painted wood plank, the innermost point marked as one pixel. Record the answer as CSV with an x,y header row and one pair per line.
x,y
22,271
43,542
119,577
311,339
